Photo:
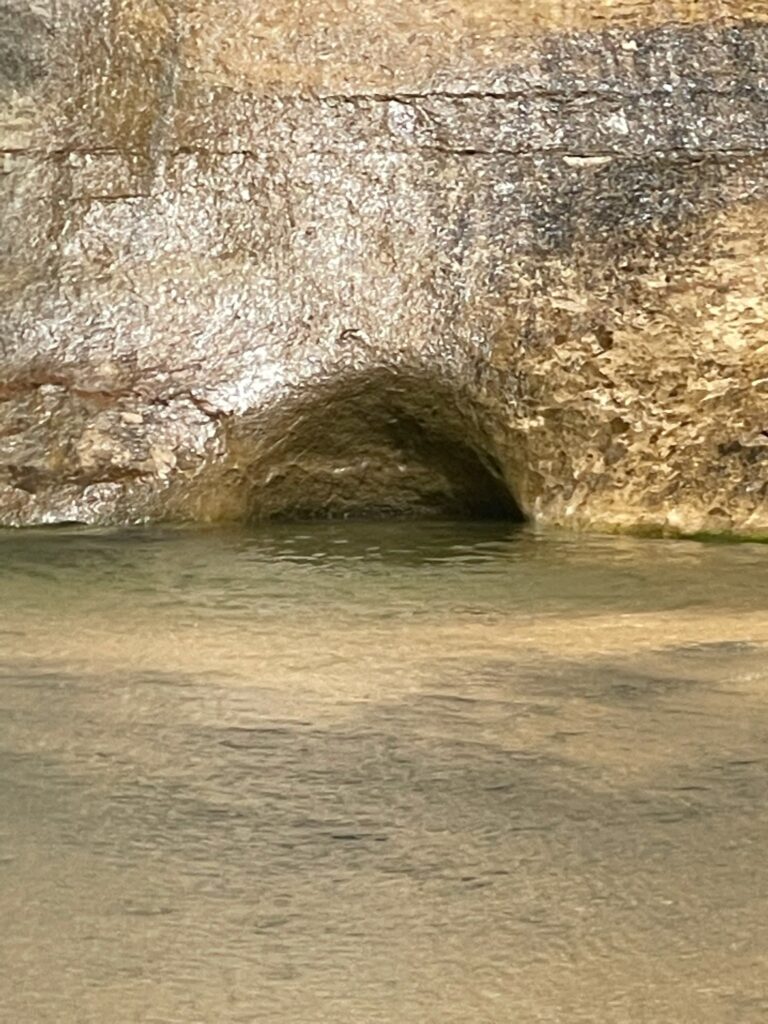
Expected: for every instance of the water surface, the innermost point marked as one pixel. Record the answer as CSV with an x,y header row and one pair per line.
x,y
382,773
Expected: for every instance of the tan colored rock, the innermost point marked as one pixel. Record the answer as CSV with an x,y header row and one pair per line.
x,y
381,258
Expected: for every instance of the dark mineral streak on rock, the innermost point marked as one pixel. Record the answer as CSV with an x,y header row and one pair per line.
x,y
337,259
22,35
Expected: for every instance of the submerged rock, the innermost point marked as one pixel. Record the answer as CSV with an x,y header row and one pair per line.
x,y
339,258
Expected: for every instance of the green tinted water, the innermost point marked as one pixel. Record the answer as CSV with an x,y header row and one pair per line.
x,y
382,773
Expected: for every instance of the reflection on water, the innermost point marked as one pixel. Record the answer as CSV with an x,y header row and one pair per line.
x,y
392,772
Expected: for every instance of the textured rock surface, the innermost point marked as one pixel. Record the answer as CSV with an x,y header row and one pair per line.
x,y
331,257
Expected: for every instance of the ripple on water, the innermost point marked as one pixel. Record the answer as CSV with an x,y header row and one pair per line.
x,y
398,772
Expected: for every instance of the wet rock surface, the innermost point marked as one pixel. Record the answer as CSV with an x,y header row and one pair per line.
x,y
354,259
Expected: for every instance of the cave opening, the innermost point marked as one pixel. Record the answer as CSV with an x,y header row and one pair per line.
x,y
378,446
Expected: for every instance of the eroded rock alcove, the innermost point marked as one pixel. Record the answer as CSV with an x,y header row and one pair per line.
x,y
347,258
381,443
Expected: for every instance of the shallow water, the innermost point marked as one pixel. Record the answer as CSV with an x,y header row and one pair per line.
x,y
382,773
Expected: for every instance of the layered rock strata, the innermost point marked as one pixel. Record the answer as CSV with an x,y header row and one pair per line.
x,y
336,258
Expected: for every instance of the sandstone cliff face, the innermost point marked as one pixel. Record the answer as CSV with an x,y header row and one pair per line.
x,y
361,258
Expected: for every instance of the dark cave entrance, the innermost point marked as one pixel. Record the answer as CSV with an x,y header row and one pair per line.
x,y
376,446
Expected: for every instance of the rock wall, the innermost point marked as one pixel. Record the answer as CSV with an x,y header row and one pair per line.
x,y
331,257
